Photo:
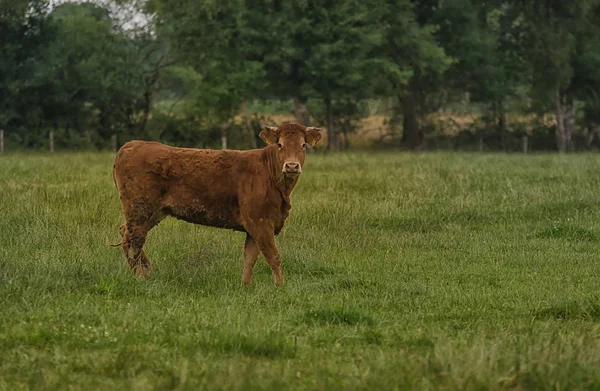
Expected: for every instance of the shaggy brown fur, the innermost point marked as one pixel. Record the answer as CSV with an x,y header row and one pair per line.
x,y
247,191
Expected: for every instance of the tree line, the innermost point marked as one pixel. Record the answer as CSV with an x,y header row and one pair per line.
x,y
195,72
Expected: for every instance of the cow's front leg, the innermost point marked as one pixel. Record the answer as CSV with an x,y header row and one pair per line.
x,y
266,244
251,253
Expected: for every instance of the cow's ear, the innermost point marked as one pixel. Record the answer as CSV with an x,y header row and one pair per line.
x,y
269,134
313,135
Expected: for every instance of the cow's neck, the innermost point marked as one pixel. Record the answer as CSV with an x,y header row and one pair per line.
x,y
283,184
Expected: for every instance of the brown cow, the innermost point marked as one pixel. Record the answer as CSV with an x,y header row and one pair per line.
x,y
247,191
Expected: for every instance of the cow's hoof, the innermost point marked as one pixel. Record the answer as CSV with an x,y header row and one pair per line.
x,y
142,272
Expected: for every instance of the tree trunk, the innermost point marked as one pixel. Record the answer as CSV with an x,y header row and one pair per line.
x,y
501,124
394,118
331,135
589,133
146,111
248,124
481,142
561,136
346,144
412,134
52,141
300,110
569,119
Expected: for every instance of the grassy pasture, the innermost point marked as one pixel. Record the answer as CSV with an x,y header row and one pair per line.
x,y
403,271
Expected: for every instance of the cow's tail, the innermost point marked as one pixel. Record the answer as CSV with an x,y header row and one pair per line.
x,y
115,177
107,242
114,244
116,161
122,242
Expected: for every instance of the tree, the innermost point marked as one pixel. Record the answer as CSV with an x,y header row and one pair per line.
x,y
93,73
586,68
482,37
24,31
337,40
413,61
558,44
218,40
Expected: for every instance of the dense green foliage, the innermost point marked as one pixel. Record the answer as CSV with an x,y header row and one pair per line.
x,y
191,72
429,271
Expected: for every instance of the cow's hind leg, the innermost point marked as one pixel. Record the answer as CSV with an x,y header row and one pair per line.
x,y
251,253
134,236
133,242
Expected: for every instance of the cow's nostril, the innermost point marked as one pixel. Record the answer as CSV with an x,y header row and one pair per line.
x,y
291,166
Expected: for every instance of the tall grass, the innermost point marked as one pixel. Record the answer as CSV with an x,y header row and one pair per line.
x,y
422,271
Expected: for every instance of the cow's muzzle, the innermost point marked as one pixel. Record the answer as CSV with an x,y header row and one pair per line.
x,y
292,169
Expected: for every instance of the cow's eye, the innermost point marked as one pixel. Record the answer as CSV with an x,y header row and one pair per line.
x,y
279,145
304,146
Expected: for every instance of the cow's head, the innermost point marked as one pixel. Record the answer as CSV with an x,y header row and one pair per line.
x,y
291,141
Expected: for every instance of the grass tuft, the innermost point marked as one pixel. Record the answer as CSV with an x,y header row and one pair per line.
x,y
568,232
336,316
572,310
270,346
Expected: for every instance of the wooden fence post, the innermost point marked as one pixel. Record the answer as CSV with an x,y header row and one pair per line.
x,y
51,141
113,141
1,141
224,141
524,143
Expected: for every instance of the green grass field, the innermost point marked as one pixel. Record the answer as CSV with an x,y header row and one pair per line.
x,y
403,271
